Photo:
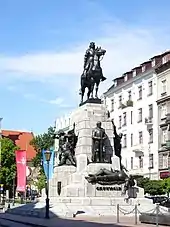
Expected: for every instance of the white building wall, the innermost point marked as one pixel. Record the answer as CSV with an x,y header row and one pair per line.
x,y
135,127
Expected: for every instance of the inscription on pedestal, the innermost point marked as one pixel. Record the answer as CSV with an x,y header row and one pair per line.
x,y
108,188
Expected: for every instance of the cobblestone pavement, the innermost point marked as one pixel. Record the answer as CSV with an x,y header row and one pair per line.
x,y
85,221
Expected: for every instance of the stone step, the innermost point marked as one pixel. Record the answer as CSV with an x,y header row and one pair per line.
x,y
99,201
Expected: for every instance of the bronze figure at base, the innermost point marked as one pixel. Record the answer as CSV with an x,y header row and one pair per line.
x,y
67,145
98,138
107,177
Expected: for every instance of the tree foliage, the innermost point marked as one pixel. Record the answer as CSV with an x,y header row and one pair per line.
x,y
40,142
154,187
166,185
8,162
40,184
142,182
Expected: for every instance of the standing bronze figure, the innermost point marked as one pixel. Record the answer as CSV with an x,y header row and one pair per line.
x,y
67,145
98,139
117,142
92,74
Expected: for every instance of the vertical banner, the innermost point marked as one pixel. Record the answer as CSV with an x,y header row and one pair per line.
x,y
51,163
21,170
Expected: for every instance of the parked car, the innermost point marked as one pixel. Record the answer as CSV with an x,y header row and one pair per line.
x,y
157,199
165,203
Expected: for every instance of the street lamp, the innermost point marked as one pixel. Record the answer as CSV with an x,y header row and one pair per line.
x,y
13,203
47,157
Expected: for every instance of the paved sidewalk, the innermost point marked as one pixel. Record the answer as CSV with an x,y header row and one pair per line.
x,y
82,221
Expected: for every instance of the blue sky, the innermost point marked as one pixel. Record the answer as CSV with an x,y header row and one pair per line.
x,y
42,44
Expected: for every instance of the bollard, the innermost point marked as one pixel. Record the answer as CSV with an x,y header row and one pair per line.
x,y
136,214
117,213
157,213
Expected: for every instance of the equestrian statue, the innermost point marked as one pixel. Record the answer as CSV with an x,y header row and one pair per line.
x,y
92,74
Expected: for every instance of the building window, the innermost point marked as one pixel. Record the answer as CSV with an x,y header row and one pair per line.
x,y
120,121
131,140
143,68
131,117
129,95
164,59
125,140
150,111
134,73
140,115
164,136
151,161
140,92
150,88
120,101
163,91
140,162
163,111
131,163
140,137
124,119
151,135
165,161
153,62
112,105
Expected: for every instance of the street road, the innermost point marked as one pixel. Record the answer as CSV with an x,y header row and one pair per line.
x,y
6,223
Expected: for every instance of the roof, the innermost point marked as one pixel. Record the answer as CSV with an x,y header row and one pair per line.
x,y
22,140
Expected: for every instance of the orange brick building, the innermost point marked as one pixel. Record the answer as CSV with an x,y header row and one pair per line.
x,y
22,140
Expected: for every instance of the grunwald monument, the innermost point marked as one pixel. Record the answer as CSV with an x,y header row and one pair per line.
x,y
88,175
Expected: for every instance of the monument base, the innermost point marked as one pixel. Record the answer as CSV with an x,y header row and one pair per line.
x,y
70,187
96,101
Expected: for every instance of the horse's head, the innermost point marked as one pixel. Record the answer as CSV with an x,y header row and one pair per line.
x,y
99,52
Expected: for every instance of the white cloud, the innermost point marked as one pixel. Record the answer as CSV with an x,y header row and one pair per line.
x,y
57,101
126,48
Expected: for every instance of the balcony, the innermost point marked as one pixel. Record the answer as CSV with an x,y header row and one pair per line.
x,y
138,149
128,103
149,122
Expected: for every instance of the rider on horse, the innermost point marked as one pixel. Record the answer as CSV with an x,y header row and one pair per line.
x,y
89,63
89,58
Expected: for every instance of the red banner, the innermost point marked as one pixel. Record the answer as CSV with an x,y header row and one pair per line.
x,y
21,170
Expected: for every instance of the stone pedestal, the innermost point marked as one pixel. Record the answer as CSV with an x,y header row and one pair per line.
x,y
85,118
61,174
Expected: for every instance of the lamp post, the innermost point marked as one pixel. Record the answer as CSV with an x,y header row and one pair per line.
x,y
47,157
13,202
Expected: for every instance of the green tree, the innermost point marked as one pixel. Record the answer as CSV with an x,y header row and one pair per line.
x,y
166,185
40,142
154,187
142,182
40,184
8,162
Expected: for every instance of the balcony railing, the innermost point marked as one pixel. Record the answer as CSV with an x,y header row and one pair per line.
x,y
148,120
139,150
128,103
